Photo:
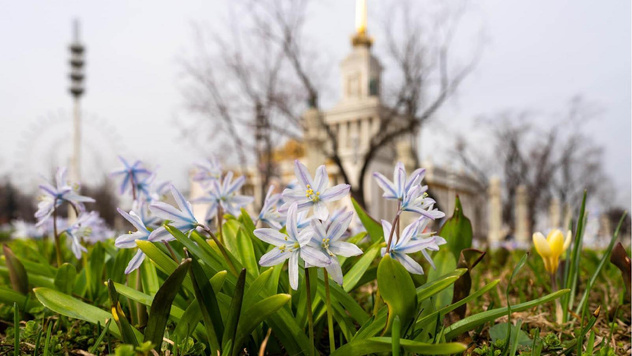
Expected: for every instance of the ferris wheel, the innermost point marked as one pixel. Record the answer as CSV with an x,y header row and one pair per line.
x,y
47,144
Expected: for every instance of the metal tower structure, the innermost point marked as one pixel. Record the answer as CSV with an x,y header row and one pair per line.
x,y
77,63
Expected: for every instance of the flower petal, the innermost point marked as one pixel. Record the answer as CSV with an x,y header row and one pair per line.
x,y
302,174
320,211
339,226
386,228
314,256
183,204
541,245
411,265
335,271
271,236
567,241
135,262
166,211
291,224
556,243
345,249
274,257
387,186
335,193
160,234
321,179
293,270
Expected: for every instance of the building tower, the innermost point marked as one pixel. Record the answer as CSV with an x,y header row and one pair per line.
x,y
77,89
356,117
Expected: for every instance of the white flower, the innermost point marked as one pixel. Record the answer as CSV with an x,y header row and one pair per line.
x,y
429,238
181,219
207,171
313,193
292,245
54,195
329,236
269,212
400,186
142,233
80,229
224,194
408,191
401,246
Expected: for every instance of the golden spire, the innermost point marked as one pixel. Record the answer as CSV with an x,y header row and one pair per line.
x,y
360,16
360,38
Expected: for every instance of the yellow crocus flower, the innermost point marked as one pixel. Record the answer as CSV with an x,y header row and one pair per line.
x,y
551,247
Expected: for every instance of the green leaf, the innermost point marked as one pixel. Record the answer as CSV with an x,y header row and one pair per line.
x,y
252,294
234,313
199,247
162,261
445,262
499,332
444,311
9,296
339,295
602,262
246,220
358,270
161,306
127,331
143,298
375,345
475,320
94,269
217,281
457,230
123,256
93,349
255,315
65,279
573,274
73,308
208,305
240,245
149,278
188,322
397,289
17,273
372,226
438,284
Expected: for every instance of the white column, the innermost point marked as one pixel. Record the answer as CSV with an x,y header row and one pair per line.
x,y
554,215
522,217
314,140
495,213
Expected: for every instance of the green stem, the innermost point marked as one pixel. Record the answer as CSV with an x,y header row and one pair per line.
x,y
171,252
330,315
220,216
57,244
221,248
558,306
310,316
390,236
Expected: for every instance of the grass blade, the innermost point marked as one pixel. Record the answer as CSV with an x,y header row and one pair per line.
x,y
94,347
475,320
161,306
233,314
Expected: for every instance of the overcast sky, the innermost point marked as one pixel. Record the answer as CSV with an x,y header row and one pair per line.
x,y
537,55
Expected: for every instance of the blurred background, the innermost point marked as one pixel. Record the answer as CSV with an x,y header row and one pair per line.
x,y
517,107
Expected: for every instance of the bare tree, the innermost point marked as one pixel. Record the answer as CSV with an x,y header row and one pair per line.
x,y
237,81
420,54
558,161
